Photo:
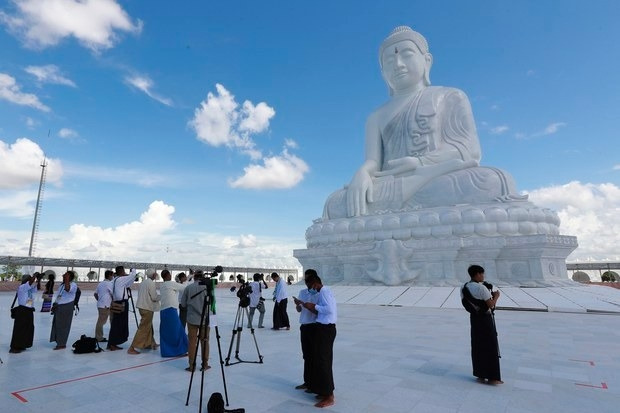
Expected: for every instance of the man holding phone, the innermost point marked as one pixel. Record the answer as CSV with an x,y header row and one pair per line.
x,y
324,334
307,319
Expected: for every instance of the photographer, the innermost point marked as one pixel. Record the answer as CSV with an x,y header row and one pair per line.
x,y
193,299
63,315
23,327
256,300
484,346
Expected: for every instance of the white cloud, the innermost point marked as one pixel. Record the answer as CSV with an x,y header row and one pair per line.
x,y
255,119
219,121
550,129
131,176
276,172
495,107
115,242
246,241
145,84
94,23
553,128
10,91
290,143
49,74
31,123
20,165
67,133
530,72
17,204
591,212
616,167
498,130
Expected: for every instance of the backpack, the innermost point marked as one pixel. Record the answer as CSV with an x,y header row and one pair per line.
x,y
86,345
215,403
76,301
471,304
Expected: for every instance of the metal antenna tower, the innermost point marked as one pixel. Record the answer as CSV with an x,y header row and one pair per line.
x,y
37,210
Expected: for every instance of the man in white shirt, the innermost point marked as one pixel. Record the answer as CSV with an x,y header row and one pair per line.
x,y
147,304
257,300
307,320
322,379
119,323
23,327
484,345
280,317
103,295
172,337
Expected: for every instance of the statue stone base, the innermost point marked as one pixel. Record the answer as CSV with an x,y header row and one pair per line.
x,y
516,242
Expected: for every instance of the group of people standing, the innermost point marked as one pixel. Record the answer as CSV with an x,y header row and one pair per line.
x,y
112,296
22,310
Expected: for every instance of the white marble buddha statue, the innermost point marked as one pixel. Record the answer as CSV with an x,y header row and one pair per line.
x,y
422,149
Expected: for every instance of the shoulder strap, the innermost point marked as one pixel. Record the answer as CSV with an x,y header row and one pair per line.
x,y
14,300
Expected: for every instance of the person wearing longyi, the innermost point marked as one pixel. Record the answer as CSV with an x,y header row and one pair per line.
x,y
63,314
23,326
280,316
172,338
307,319
148,304
119,323
324,334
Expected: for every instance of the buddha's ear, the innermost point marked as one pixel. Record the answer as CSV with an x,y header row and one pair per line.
x,y
428,58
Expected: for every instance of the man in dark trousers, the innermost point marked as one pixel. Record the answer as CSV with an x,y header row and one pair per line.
x,y
324,332
484,346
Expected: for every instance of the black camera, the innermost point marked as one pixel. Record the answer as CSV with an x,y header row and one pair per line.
x,y
209,280
243,293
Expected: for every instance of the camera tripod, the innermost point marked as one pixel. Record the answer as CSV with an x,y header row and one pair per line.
x,y
207,304
242,312
133,307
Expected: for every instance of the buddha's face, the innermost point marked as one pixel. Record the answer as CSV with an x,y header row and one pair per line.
x,y
404,65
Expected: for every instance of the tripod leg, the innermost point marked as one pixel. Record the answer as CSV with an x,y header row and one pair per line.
x,y
192,368
232,339
219,350
130,296
239,330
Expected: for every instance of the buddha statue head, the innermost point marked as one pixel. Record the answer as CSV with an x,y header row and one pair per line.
x,y
405,60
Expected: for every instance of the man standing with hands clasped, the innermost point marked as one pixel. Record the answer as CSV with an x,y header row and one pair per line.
x,y
324,333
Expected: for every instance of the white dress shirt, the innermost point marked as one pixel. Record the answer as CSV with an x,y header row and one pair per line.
x,y
148,299
169,292
326,307
120,283
306,316
104,294
280,292
64,296
25,294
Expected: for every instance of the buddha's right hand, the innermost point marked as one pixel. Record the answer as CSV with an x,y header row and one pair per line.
x,y
359,193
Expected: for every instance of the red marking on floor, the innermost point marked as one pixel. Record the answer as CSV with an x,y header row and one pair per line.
x,y
602,386
584,361
24,400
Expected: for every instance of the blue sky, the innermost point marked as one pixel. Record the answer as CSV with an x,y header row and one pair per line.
x,y
212,132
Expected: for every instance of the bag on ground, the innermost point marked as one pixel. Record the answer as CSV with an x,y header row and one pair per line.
x,y
86,345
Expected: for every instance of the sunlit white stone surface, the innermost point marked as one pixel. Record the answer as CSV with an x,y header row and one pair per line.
x,y
421,209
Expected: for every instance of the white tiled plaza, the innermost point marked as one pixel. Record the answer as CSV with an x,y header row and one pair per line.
x,y
398,350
